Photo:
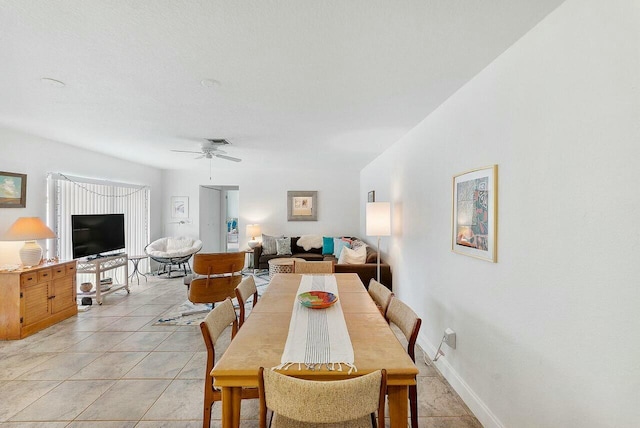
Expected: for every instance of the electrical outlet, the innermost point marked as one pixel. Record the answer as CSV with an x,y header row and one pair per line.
x,y
450,338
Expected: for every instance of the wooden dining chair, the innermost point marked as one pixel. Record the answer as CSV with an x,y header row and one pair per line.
x,y
212,327
408,322
381,295
217,276
312,267
298,402
244,291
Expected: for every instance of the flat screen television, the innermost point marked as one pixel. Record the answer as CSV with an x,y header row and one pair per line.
x,y
93,234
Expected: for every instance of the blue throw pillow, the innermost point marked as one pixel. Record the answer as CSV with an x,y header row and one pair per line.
x,y
338,245
327,245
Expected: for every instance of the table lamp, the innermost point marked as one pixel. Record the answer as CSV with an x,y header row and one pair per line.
x,y
29,229
253,230
378,223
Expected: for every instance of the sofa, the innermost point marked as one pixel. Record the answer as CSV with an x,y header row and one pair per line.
x,y
365,271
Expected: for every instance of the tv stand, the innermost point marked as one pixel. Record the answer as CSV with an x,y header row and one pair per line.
x,y
103,264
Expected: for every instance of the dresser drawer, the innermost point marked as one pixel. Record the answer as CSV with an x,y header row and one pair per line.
x,y
59,271
71,268
44,275
29,278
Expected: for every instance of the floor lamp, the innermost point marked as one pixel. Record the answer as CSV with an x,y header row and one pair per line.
x,y
378,220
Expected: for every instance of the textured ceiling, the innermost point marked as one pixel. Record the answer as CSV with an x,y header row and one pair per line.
x,y
303,81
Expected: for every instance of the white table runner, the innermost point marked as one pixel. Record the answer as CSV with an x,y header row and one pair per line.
x,y
318,336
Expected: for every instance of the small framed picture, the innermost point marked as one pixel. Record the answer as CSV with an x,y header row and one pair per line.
x,y
475,213
13,190
179,207
302,206
371,196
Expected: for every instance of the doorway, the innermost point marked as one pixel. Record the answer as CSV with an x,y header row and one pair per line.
x,y
219,206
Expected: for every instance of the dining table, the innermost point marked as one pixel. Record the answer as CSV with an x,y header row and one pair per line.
x,y
261,340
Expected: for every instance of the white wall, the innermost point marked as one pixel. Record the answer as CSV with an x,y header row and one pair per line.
x,y
34,156
263,199
548,336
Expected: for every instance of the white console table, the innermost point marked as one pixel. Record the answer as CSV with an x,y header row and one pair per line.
x,y
100,265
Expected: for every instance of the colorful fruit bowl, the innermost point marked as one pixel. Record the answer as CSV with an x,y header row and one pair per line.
x,y
317,299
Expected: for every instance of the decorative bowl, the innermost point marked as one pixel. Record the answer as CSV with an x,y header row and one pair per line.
x,y
317,299
85,287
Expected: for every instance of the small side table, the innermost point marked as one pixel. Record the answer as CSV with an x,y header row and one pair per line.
x,y
282,265
136,260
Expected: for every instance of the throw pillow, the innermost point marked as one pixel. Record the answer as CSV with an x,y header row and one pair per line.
x,y
283,246
353,257
357,244
338,245
327,245
269,247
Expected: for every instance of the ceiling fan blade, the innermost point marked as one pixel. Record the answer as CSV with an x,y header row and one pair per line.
x,y
227,158
185,151
199,157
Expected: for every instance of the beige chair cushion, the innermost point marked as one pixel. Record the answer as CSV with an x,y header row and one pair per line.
x,y
380,294
247,288
403,316
296,400
219,319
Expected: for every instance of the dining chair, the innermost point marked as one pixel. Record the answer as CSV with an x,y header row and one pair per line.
x,y
381,295
313,267
217,276
212,327
298,402
244,291
408,322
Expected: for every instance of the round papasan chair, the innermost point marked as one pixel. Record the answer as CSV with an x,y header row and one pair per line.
x,y
169,252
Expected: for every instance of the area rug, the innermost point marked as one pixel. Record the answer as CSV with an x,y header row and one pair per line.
x,y
187,313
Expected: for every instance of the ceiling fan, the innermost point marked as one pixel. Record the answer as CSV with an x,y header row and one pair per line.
x,y
211,149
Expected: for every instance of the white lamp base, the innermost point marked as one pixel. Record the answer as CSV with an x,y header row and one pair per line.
x,y
31,254
252,244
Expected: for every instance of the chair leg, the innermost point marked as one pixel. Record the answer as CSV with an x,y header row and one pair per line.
x,y
413,403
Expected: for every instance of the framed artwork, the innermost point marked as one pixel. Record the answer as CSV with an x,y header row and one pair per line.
x,y
475,213
302,206
371,196
13,190
179,207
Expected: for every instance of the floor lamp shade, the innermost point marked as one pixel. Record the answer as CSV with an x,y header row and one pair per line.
x,y
378,219
29,229
253,230
378,223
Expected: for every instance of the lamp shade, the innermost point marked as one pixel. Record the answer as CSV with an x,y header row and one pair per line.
x,y
28,229
378,221
253,230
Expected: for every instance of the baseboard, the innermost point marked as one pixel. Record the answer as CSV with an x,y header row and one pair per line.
x,y
471,399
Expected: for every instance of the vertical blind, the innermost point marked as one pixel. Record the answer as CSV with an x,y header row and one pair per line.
x,y
68,195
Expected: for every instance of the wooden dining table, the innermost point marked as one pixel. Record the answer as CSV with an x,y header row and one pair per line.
x,y
261,341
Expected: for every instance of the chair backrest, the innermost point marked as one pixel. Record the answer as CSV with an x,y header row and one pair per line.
x,y
381,295
322,401
312,267
222,272
214,324
243,291
407,321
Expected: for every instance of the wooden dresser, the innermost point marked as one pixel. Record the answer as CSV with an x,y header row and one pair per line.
x,y
32,299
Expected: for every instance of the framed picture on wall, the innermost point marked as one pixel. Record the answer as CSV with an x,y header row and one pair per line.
x,y
302,205
13,190
179,207
371,196
475,213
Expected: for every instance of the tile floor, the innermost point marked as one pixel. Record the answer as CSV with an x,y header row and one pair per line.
x,y
111,367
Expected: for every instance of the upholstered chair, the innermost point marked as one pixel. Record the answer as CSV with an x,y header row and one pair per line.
x,y
407,321
244,291
299,403
313,267
381,295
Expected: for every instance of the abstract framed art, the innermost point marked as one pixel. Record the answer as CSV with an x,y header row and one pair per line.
x,y
13,190
475,213
302,205
179,207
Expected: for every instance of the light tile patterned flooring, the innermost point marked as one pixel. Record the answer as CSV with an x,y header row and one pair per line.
x,y
111,367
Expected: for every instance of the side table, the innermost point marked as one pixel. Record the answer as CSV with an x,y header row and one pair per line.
x,y
282,265
136,260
